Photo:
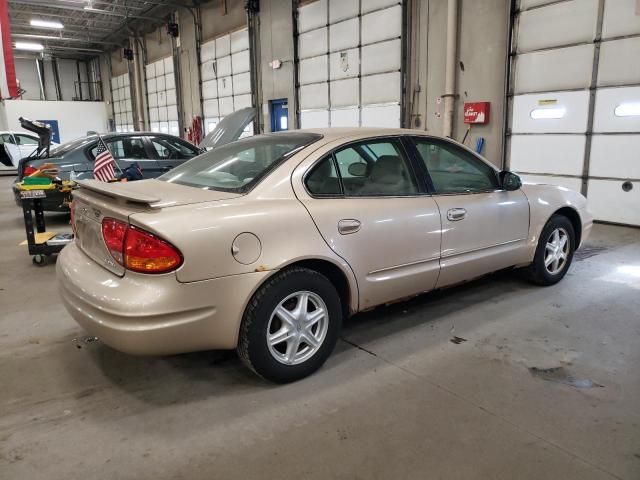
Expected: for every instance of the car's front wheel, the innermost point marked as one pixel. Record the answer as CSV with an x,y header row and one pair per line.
x,y
290,326
554,252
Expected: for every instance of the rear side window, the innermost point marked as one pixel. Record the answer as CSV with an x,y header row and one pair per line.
x,y
7,138
172,149
25,140
124,148
371,168
323,179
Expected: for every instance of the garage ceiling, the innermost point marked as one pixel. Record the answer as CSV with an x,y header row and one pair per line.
x,y
90,26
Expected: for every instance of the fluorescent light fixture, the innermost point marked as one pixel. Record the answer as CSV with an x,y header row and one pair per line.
x,y
33,47
548,113
628,110
45,23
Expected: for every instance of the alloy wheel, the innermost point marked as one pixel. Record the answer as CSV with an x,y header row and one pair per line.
x,y
297,328
556,251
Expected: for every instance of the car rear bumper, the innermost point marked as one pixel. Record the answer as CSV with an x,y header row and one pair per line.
x,y
153,314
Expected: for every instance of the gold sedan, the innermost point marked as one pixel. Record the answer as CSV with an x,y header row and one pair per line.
x,y
267,243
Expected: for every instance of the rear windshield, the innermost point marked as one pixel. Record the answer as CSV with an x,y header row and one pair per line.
x,y
239,166
65,148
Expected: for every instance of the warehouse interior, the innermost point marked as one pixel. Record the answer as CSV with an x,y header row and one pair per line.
x,y
487,378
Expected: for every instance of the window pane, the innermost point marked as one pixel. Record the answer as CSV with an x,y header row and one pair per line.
x,y
168,148
116,148
121,148
324,180
375,168
25,140
238,166
454,170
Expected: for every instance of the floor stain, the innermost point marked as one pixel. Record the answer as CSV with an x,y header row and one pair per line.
x,y
457,340
587,252
359,347
561,375
83,341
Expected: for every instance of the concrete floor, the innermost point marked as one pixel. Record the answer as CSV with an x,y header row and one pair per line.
x,y
397,399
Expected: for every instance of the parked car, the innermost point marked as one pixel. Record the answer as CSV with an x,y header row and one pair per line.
x,y
156,153
15,146
267,243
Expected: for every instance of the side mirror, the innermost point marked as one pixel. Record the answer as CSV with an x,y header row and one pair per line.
x,y
510,181
357,169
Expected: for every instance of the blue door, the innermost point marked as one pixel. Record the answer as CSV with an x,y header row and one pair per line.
x,y
279,114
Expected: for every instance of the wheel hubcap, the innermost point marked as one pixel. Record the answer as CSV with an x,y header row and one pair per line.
x,y
556,251
297,328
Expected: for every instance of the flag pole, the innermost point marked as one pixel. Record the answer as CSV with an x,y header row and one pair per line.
x,y
107,147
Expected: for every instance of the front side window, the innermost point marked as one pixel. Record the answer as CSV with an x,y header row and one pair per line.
x,y
375,167
455,170
171,149
240,165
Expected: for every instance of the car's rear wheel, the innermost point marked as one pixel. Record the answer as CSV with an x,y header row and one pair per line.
x,y
290,326
554,252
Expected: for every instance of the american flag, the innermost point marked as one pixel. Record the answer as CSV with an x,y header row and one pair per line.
x,y
103,168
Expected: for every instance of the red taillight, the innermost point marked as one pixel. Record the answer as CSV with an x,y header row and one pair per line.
x,y
28,170
138,250
114,232
146,253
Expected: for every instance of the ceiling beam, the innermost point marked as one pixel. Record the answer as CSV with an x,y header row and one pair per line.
x,y
147,3
92,11
61,39
71,49
72,29
42,16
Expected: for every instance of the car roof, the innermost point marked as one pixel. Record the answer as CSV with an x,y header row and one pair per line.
x,y
21,132
131,134
127,134
335,133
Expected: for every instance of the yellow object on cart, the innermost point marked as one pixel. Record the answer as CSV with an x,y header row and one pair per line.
x,y
67,186
40,238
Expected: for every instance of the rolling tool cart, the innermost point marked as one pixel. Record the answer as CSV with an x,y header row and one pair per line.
x,y
41,244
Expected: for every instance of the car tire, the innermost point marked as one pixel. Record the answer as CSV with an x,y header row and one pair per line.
x,y
282,316
554,252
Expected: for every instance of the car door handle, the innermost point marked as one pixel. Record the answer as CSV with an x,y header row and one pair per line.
x,y
455,214
348,225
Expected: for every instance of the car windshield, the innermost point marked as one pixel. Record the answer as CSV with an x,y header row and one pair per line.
x,y
67,147
239,166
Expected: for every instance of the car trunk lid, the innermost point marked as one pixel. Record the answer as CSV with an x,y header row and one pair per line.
x,y
95,200
229,129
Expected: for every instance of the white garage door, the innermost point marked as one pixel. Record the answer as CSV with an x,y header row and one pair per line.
x,y
576,107
350,63
122,106
226,77
161,97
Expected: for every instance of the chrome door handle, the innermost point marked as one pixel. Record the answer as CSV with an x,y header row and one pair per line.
x,y
348,225
455,214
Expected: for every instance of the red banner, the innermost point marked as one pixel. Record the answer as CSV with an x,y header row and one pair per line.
x,y
8,85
